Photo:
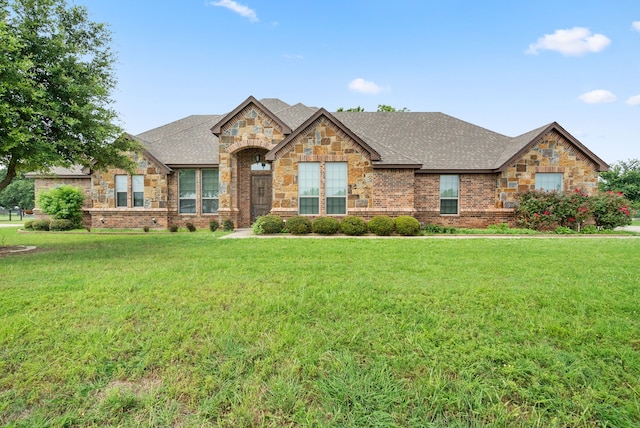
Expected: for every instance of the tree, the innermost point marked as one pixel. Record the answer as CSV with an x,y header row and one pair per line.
x,y
381,108
20,193
623,176
55,83
356,109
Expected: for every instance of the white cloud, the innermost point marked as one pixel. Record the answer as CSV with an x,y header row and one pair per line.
x,y
364,86
599,96
240,9
575,41
635,25
634,100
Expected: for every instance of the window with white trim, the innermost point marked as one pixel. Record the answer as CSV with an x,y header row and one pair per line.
x,y
449,191
309,187
549,181
187,191
336,187
121,191
209,189
137,188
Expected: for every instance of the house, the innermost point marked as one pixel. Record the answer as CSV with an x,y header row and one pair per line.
x,y
267,156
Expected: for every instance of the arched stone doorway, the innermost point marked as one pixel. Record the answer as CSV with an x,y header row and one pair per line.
x,y
254,185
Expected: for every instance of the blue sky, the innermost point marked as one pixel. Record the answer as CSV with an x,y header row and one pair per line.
x,y
507,65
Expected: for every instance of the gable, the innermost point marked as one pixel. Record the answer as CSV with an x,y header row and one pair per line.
x,y
520,146
245,114
320,132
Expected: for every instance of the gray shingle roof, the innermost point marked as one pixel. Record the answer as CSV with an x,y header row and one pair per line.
x,y
187,141
435,141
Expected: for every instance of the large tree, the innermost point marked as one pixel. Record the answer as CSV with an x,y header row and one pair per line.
x,y
623,176
56,77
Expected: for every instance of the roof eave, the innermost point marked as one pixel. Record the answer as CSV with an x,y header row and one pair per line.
x,y
456,171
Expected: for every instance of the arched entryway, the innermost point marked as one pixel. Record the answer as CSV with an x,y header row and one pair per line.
x,y
254,185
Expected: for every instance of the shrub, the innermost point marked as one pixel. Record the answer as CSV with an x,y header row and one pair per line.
x,y
353,226
28,225
610,210
41,225
190,226
407,225
213,225
269,223
536,210
298,225
381,225
61,224
564,230
433,228
145,228
173,228
62,202
325,225
227,225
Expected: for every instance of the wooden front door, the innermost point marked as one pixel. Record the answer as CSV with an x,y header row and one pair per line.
x,y
260,195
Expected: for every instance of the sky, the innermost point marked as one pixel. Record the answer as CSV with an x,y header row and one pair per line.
x,y
506,65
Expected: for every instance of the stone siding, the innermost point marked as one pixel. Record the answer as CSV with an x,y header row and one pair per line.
x,y
153,213
322,142
251,128
553,153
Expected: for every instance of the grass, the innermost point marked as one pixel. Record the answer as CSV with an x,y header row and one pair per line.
x,y
635,222
184,329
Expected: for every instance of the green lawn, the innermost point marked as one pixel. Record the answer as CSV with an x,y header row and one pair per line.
x,y
184,329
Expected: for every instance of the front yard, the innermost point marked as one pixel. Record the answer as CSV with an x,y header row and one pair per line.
x,y
185,329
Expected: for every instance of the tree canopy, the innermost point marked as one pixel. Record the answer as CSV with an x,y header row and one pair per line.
x,y
56,78
20,193
623,176
381,108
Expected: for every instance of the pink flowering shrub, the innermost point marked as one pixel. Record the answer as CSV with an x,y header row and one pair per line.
x,y
541,210
610,210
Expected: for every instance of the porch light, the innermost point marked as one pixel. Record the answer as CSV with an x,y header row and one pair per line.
x,y
102,220
154,220
258,158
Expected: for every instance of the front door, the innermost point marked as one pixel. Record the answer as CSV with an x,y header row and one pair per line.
x,y
260,195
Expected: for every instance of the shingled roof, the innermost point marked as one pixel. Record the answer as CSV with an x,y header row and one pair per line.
x,y
431,142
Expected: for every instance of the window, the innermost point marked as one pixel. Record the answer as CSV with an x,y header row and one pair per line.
x,y
209,191
187,191
549,181
137,184
336,187
449,194
309,187
121,190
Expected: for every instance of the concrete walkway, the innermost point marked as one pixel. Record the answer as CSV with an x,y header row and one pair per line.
x,y
11,224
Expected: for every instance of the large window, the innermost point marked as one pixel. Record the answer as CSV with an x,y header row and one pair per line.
x,y
209,191
137,187
309,187
121,191
449,190
187,191
336,187
549,181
